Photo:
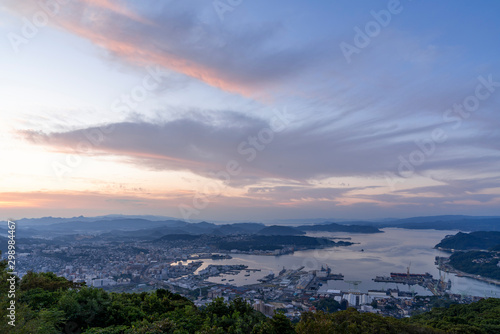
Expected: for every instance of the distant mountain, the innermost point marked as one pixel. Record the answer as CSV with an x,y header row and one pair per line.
x,y
109,225
50,226
136,228
304,221
36,222
444,218
204,225
20,232
495,248
144,234
280,230
334,227
4,244
464,223
239,228
472,240
175,237
148,226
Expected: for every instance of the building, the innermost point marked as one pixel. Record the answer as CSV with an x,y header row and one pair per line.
x,y
266,309
356,299
377,294
100,282
304,281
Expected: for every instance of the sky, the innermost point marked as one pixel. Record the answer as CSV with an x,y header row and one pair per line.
x,y
249,110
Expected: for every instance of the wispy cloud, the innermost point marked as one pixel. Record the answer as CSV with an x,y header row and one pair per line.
x,y
180,39
203,143
349,121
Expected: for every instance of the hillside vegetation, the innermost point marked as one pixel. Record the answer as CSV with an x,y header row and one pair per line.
x,y
476,263
473,240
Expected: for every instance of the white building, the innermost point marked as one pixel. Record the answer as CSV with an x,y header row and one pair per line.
x,y
100,282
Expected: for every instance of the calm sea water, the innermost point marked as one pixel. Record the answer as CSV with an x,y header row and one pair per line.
x,y
391,251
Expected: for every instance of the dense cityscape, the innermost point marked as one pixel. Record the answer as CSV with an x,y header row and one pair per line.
x,y
174,262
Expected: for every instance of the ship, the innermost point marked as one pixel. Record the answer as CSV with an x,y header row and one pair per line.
x,y
407,275
338,277
403,280
267,278
410,277
325,274
282,271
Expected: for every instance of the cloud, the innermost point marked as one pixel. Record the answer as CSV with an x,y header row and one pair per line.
x,y
180,38
117,8
348,121
204,143
38,203
458,189
303,193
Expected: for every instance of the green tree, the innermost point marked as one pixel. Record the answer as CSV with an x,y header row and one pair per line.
x,y
46,281
327,305
353,322
279,324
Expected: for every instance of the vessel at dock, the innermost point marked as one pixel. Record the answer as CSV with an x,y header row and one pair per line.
x,y
267,278
325,274
403,280
407,275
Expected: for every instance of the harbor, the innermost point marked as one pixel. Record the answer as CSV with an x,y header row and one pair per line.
x,y
438,287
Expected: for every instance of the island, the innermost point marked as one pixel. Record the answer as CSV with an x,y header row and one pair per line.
x,y
480,240
475,255
277,244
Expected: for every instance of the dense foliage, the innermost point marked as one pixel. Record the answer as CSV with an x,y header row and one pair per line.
x,y
481,317
477,263
49,304
280,230
351,321
495,248
264,242
434,301
329,305
472,240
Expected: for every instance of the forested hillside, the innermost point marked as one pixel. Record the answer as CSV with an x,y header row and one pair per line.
x,y
476,263
473,240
